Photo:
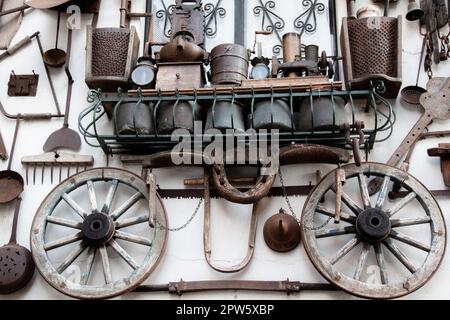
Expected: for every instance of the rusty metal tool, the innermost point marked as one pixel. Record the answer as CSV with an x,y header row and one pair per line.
x,y
55,57
13,10
11,182
282,232
3,152
18,46
288,287
17,267
65,137
23,85
58,160
437,106
443,152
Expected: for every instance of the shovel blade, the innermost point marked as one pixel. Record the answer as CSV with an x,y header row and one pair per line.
x,y
64,138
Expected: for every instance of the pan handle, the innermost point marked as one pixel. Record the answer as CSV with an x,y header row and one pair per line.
x,y
13,239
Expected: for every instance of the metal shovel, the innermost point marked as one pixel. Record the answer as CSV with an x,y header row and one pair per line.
x,y
65,138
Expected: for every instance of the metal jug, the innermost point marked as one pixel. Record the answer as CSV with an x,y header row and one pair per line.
x,y
274,114
134,118
323,116
177,115
225,115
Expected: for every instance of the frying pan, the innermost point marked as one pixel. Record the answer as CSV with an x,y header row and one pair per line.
x,y
11,182
17,267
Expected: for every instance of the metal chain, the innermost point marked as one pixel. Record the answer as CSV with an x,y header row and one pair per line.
x,y
185,224
291,209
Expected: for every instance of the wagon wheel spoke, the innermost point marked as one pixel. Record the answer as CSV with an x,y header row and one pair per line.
x,y
75,207
74,254
330,213
409,222
352,205
126,206
131,221
364,191
381,263
123,254
105,264
110,197
401,204
362,261
92,196
132,238
410,241
63,241
383,192
92,251
64,222
326,233
395,250
345,250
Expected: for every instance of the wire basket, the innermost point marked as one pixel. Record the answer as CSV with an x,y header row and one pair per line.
x,y
98,122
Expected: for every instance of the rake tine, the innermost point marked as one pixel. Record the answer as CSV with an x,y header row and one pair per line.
x,y
34,174
26,174
51,173
42,173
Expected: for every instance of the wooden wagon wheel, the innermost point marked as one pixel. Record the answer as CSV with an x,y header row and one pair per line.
x,y
374,222
99,233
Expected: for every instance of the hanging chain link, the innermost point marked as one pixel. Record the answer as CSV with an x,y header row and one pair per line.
x,y
197,209
291,209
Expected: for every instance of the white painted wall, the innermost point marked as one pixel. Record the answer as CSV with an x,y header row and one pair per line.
x,y
184,256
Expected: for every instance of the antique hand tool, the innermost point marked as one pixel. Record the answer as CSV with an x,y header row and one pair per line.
x,y
288,287
411,94
443,152
18,46
17,265
55,57
58,160
13,10
282,232
3,152
11,182
65,137
23,85
437,106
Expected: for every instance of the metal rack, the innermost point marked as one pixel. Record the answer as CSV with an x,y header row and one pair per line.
x,y
113,143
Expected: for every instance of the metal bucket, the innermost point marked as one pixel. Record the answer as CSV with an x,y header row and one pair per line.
x,y
171,116
272,115
323,116
132,118
229,64
226,115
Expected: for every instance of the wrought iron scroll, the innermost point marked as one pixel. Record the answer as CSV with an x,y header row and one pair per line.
x,y
165,14
213,12
270,21
307,21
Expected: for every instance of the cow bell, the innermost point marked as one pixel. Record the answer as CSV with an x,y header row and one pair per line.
x,y
282,232
177,115
272,115
226,115
415,12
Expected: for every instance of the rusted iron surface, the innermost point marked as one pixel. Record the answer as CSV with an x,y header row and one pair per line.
x,y
17,266
443,152
282,232
288,287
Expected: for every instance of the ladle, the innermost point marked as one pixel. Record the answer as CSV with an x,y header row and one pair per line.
x,y
411,94
55,57
11,182
17,265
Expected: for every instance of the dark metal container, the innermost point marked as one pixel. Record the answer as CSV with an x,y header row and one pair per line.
x,y
226,115
171,116
323,115
229,64
274,114
135,118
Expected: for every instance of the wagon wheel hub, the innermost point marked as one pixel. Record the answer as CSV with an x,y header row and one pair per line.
x,y
98,229
373,225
